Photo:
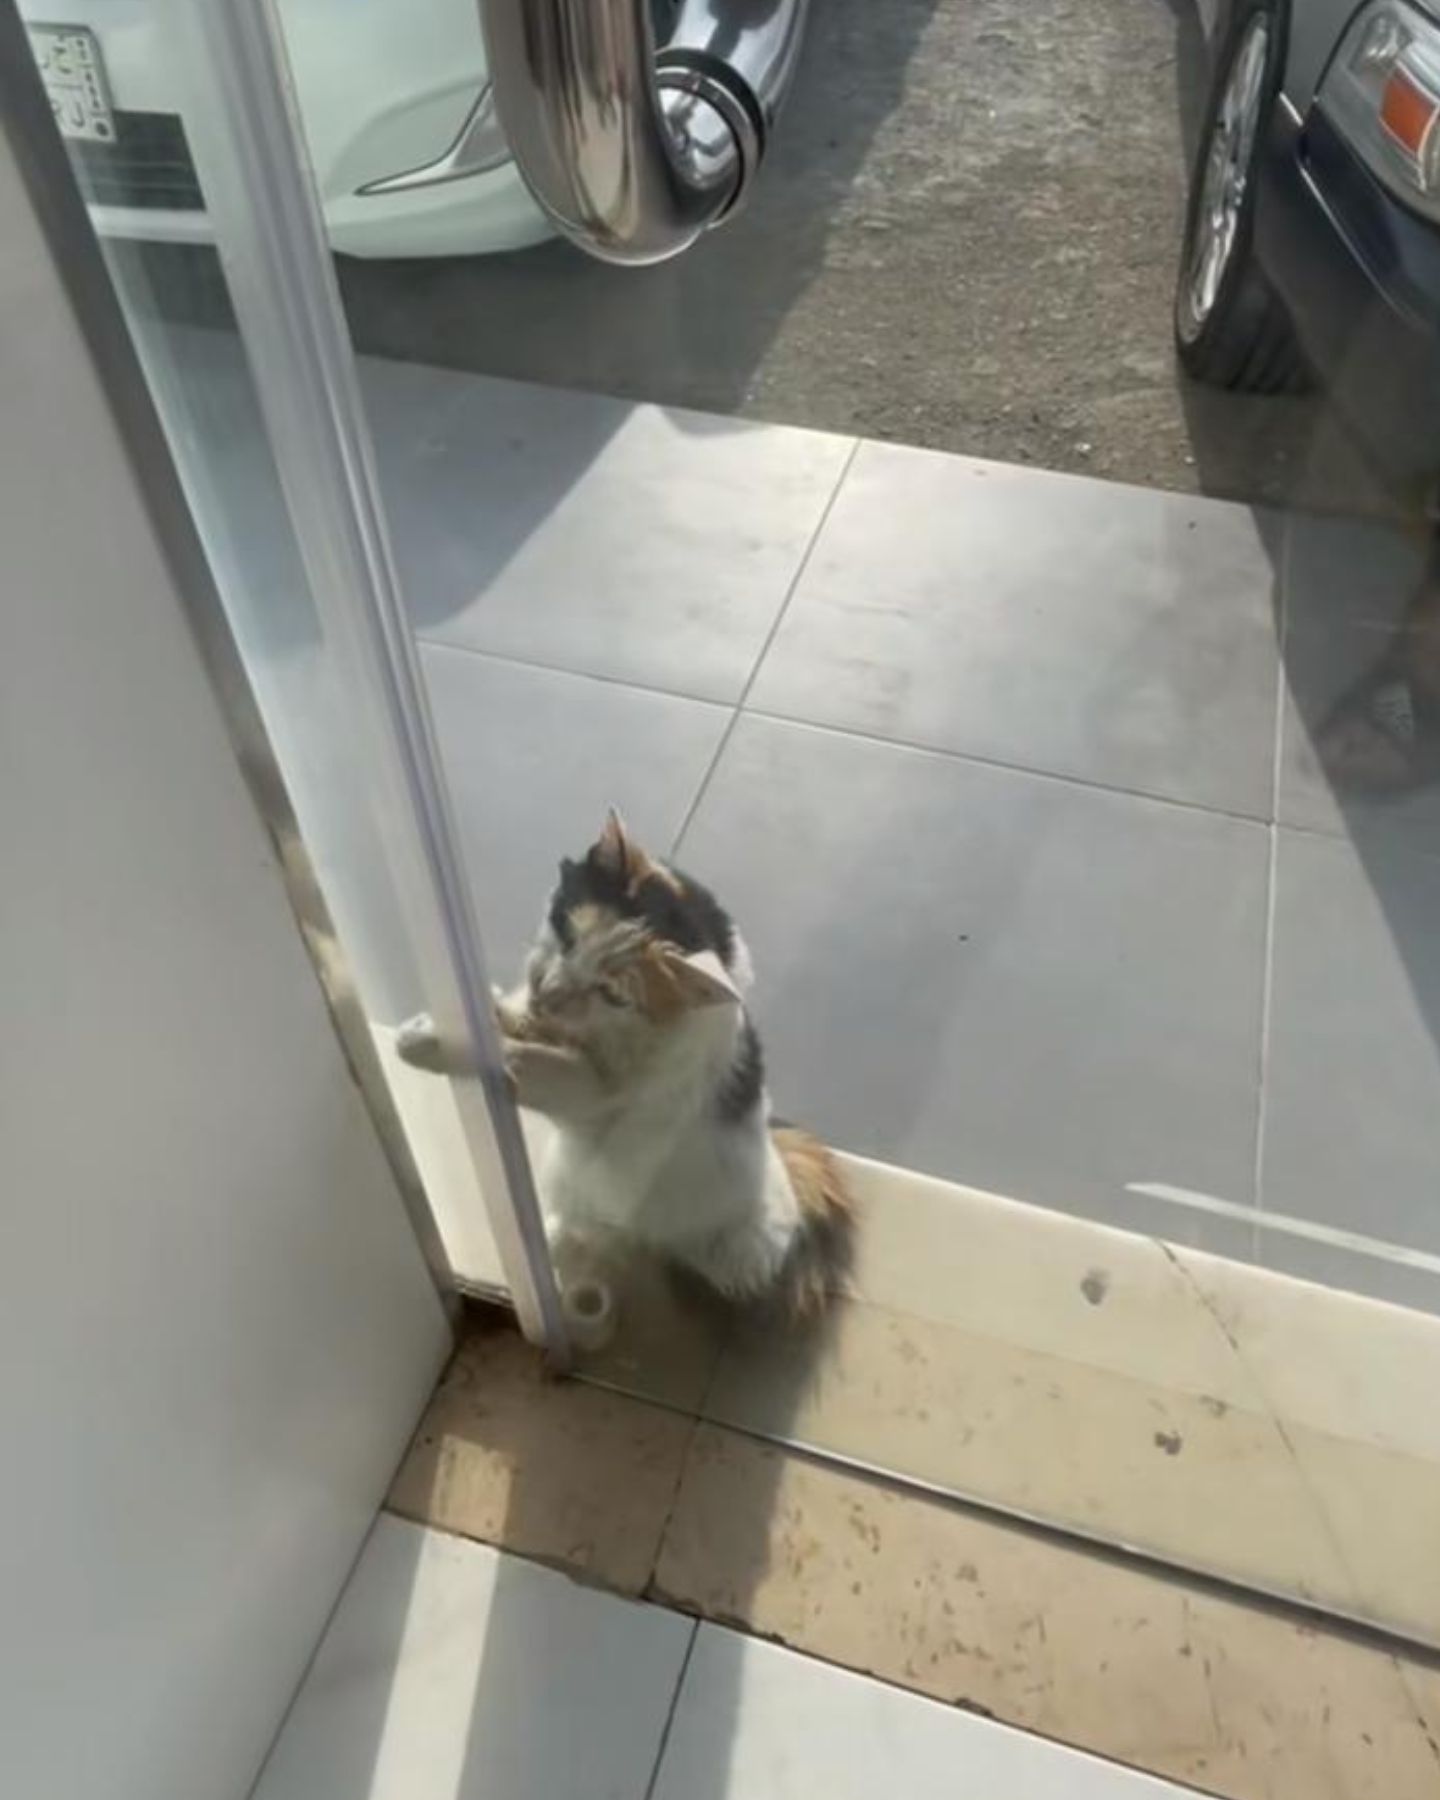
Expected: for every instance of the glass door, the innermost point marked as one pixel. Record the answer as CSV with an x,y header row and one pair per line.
x,y
791,444
249,372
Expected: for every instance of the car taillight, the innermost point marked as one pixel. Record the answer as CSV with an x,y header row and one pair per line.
x,y
1382,91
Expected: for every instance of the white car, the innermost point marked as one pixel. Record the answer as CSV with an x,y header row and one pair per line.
x,y
395,99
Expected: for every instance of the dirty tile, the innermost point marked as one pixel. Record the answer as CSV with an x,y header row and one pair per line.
x,y
1241,1701
668,1336
1352,1116
1193,1479
554,1470
1361,1371
1086,1378
1038,1279
1422,1683
1114,634
1383,1511
446,1669
533,759
1043,990
646,544
754,1719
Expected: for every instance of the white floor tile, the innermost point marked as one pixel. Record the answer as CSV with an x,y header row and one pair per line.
x,y
452,1672
755,1722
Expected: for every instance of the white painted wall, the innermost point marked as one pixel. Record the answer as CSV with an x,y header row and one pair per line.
x,y
215,1327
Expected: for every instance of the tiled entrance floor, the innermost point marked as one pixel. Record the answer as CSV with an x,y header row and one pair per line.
x,y
1198,1410
455,1672
1099,1653
1011,783
1008,776
1012,793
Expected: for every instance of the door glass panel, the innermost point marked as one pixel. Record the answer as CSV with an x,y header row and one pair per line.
x,y
118,85
1034,656
1053,722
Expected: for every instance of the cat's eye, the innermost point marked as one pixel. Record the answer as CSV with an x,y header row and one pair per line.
x,y
610,994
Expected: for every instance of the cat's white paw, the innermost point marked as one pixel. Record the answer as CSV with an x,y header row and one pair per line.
x,y
511,1010
417,1043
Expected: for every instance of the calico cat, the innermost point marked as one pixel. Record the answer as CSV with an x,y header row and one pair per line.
x,y
652,1070
630,1033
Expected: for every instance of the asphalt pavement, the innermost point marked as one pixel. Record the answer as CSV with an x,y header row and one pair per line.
x,y
965,237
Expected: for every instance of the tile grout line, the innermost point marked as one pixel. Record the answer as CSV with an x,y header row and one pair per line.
x,y
1320,1510
628,683
1267,967
1258,1239
1245,1592
914,747
764,650
831,1659
697,1419
352,1568
664,1743
977,760
1401,1654
430,640
910,746
1421,1717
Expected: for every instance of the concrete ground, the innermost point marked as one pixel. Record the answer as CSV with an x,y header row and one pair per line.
x,y
965,238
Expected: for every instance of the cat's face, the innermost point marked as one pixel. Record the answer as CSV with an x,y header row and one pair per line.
x,y
613,949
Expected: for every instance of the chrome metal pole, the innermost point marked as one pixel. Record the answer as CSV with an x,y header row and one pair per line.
x,y
634,149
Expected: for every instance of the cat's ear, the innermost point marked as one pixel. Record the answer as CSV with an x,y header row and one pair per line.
x,y
692,982
617,854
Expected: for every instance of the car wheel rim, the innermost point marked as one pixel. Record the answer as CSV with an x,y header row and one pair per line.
x,y
1226,181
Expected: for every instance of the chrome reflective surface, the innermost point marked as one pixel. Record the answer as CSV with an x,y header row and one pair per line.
x,y
480,145
634,149
1227,176
759,42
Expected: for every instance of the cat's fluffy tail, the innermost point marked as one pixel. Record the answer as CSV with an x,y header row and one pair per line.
x,y
821,1256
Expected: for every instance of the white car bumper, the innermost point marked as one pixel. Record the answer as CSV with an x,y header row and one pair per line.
x,y
385,92
468,216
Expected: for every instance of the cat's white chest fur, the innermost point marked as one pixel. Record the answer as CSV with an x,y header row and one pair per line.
x,y
663,1166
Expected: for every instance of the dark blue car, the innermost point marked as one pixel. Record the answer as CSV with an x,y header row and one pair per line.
x,y
1312,240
